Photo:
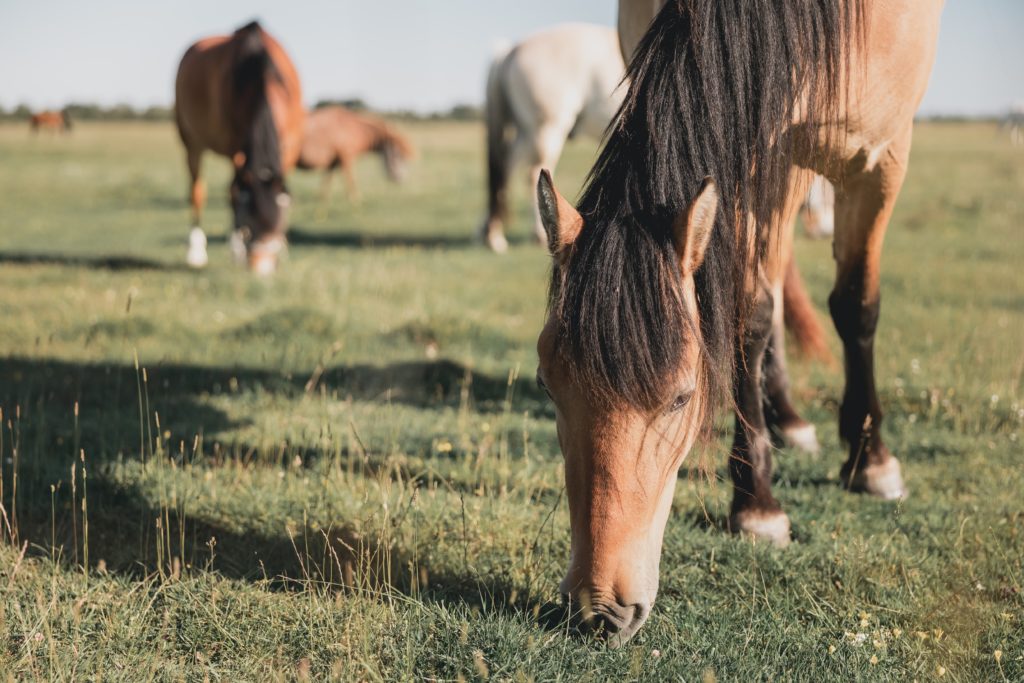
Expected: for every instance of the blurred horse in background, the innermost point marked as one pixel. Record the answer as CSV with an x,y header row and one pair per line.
x,y
1014,124
550,87
336,137
819,209
51,120
239,96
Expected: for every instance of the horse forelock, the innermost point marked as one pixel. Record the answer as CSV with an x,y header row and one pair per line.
x,y
621,321
714,86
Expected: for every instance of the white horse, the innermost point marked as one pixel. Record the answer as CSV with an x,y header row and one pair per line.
x,y
553,85
819,209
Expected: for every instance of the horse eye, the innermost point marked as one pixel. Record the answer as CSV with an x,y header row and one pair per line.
x,y
680,402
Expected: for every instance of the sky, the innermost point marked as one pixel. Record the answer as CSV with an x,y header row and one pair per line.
x,y
424,55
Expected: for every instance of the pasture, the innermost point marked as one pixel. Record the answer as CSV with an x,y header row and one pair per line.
x,y
346,471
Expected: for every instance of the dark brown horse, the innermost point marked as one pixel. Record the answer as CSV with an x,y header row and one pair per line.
x,y
337,136
666,276
239,96
51,120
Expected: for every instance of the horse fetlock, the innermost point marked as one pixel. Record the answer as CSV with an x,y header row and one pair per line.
x,y
197,256
770,525
881,479
803,437
492,234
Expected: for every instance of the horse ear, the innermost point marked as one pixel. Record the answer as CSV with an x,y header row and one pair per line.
x,y
562,222
691,230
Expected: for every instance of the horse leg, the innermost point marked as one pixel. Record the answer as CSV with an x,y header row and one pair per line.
x,y
780,413
325,194
493,231
864,205
197,256
351,188
754,509
547,149
781,416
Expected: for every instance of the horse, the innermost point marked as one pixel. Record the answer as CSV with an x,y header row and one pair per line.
x,y
51,120
666,274
550,87
336,137
1014,124
818,210
239,96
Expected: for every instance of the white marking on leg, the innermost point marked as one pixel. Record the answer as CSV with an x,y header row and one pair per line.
x,y
804,437
772,527
197,256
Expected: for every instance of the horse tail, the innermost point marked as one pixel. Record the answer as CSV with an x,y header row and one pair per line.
x,y
497,116
801,319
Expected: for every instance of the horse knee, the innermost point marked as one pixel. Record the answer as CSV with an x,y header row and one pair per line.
x,y
855,317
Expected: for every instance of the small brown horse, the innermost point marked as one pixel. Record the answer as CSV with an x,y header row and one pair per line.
x,y
663,294
337,136
239,96
51,120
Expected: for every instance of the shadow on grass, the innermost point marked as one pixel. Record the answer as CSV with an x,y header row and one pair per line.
x,y
132,538
109,395
126,525
305,237
101,262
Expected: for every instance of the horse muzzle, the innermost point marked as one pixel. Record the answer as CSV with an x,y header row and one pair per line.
x,y
606,617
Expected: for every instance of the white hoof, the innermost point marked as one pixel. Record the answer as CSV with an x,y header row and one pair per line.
x,y
884,481
496,242
803,437
772,527
197,256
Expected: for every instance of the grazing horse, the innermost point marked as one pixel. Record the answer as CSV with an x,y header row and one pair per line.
x,y
336,137
548,88
667,273
239,96
51,120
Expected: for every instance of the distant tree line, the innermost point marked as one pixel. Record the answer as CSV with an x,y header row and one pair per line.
x,y
78,111
459,112
94,112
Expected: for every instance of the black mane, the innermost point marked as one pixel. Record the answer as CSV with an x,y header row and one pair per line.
x,y
253,67
713,85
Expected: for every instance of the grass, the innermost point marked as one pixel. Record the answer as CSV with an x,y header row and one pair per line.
x,y
345,471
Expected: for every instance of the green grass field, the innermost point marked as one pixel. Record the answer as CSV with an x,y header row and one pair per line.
x,y
346,472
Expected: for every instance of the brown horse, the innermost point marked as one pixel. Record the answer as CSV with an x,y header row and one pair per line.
x,y
239,96
666,277
336,137
51,120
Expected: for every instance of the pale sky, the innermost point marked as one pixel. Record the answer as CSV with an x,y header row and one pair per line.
x,y
410,54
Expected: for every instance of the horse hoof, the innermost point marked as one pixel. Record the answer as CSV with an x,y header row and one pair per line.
x,y
771,526
803,437
883,480
197,256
